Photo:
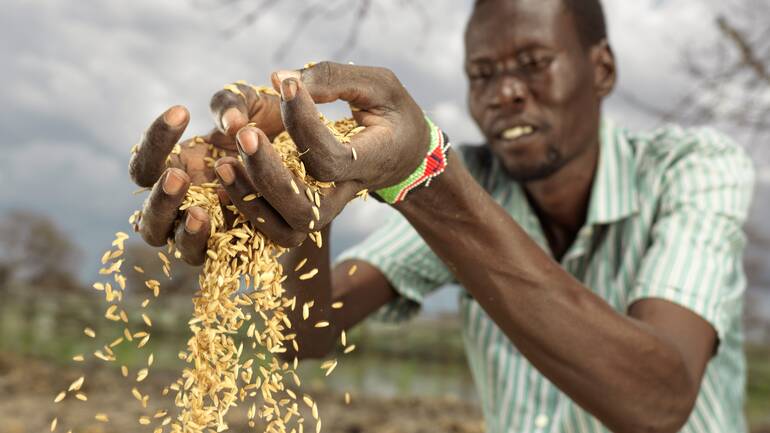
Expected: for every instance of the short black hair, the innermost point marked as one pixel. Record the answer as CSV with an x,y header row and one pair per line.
x,y
589,19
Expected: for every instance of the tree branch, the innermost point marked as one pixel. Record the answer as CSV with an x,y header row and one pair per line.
x,y
747,51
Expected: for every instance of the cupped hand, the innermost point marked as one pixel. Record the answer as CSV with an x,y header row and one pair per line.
x,y
393,143
170,173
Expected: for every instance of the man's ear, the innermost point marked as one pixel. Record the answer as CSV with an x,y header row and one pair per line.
x,y
605,70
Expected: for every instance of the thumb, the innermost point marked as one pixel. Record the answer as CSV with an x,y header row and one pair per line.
x,y
363,87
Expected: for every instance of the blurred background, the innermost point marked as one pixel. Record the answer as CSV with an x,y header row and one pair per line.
x,y
82,79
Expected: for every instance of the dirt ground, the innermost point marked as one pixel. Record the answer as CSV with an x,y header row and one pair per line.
x,y
28,387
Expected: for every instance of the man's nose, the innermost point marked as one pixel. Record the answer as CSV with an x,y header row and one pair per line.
x,y
510,91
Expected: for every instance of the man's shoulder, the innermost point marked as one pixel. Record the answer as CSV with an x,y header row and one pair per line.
x,y
669,145
698,164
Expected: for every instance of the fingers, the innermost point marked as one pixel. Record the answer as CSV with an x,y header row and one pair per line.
x,y
161,208
257,210
364,87
239,104
230,109
326,159
283,190
265,169
191,237
149,161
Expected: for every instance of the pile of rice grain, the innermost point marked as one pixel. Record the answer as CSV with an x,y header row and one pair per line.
x,y
240,281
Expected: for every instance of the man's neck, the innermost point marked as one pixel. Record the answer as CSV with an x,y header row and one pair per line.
x,y
561,200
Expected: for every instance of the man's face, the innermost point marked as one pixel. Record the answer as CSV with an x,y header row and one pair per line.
x,y
532,85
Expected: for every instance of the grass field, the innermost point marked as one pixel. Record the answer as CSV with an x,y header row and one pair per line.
x,y
411,369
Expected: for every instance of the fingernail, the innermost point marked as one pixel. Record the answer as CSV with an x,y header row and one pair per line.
x,y
173,182
288,89
231,117
192,225
247,140
175,116
285,74
226,173
225,124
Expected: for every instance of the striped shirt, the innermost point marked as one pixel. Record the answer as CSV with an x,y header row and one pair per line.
x,y
664,221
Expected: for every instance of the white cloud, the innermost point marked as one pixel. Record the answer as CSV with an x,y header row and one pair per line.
x,y
81,80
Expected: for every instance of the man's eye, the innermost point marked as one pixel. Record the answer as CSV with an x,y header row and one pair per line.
x,y
538,63
479,74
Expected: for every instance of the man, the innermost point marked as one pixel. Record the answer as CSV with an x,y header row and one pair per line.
x,y
602,269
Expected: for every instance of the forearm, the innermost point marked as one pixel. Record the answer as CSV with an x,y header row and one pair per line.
x,y
342,296
612,365
315,292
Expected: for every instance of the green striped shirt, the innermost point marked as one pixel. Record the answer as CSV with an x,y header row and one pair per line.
x,y
664,221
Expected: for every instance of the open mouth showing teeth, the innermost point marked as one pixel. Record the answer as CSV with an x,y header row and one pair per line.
x,y
517,132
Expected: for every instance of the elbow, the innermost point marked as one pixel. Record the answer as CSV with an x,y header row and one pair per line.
x,y
668,423
661,408
669,415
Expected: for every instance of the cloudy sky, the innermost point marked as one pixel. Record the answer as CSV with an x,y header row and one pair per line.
x,y
82,79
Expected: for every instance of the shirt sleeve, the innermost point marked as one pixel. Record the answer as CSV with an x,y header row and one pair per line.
x,y
694,258
410,266
399,252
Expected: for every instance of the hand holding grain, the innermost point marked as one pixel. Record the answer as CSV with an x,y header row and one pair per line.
x,y
169,169
392,143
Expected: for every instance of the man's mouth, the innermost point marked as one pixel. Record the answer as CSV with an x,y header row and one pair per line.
x,y
517,132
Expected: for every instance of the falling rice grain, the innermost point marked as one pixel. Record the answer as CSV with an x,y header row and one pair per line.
x,y
77,384
308,275
300,264
60,397
142,374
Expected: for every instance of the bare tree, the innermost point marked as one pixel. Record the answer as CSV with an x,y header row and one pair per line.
x,y
354,12
730,78
34,251
183,281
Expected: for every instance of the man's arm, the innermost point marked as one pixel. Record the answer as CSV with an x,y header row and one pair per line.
x,y
361,294
638,373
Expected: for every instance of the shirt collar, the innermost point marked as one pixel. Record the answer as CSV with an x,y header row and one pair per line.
x,y
614,193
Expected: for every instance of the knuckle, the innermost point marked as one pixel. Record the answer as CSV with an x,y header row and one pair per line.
x,y
192,247
324,169
300,219
150,236
192,259
387,74
221,100
138,175
321,73
291,240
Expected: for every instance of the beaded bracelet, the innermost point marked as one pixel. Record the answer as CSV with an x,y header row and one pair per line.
x,y
434,164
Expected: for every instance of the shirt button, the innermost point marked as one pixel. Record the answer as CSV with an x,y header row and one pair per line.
x,y
541,421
